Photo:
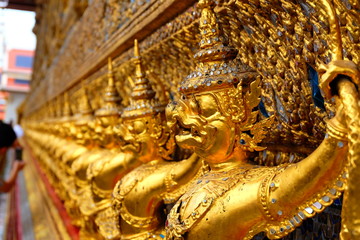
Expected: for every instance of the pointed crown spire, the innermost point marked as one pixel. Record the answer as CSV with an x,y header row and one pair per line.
x,y
142,88
51,110
85,111
84,105
67,109
58,107
143,100
112,98
216,68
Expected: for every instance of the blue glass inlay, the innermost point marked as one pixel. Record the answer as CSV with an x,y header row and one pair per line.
x,y
314,83
262,109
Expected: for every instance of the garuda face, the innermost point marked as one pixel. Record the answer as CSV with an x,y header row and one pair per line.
x,y
141,136
203,127
104,132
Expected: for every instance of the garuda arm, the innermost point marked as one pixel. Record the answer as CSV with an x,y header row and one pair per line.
x,y
298,191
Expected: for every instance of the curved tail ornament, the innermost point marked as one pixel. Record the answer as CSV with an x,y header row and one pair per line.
x,y
351,208
335,34
343,75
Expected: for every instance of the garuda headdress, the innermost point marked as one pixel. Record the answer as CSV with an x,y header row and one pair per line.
x,y
111,96
143,101
85,113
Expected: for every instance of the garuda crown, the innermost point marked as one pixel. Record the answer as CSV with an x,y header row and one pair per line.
x,y
112,98
143,101
216,68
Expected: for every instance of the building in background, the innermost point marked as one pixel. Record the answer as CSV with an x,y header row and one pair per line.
x,y
14,81
3,96
17,44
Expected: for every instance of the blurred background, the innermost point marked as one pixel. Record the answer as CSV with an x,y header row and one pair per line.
x,y
17,44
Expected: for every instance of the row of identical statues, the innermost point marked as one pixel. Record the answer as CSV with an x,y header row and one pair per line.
x,y
189,168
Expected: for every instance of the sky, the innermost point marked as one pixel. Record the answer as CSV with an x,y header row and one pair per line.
x,y
17,29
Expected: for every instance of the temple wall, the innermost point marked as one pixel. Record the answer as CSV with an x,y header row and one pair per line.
x,y
80,50
89,87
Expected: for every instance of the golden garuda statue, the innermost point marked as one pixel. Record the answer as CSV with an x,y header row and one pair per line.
x,y
139,197
89,197
220,122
